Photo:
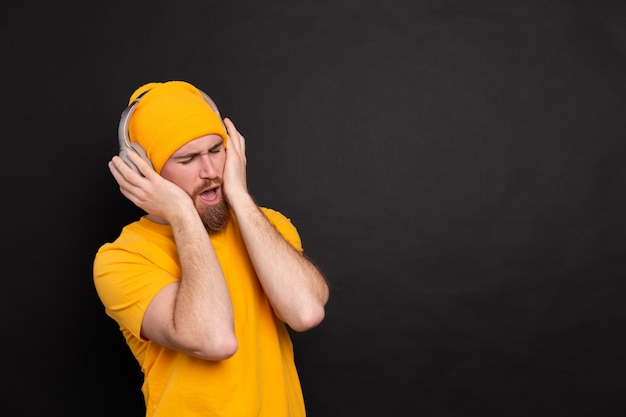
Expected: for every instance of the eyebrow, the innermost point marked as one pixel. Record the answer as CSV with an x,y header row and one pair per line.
x,y
194,154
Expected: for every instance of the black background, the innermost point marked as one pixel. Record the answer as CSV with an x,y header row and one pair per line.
x,y
456,169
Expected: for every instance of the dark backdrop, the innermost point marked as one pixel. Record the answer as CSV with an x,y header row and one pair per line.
x,y
456,169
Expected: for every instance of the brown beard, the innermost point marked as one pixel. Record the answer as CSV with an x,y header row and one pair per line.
x,y
214,217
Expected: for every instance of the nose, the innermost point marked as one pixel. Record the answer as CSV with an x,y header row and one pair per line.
x,y
207,167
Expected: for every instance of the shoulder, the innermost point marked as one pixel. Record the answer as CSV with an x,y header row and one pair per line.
x,y
138,243
272,214
284,226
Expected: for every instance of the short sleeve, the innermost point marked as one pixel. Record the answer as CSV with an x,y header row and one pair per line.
x,y
284,227
126,283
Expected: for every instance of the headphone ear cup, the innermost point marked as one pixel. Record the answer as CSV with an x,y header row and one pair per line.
x,y
142,152
124,155
137,148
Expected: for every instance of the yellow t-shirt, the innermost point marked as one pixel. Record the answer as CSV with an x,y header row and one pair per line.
x,y
259,380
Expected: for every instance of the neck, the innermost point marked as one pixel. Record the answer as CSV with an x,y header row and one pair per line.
x,y
156,219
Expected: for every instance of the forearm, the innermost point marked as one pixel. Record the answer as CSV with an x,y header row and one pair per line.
x,y
296,289
194,315
202,315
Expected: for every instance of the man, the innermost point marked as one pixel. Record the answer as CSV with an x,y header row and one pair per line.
x,y
205,283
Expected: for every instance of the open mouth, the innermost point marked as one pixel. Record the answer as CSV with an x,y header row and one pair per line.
x,y
210,196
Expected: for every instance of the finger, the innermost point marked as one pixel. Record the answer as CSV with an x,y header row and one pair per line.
x,y
230,127
116,169
142,165
235,137
125,176
119,168
232,131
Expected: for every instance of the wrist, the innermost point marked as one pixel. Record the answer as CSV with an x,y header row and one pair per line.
x,y
239,200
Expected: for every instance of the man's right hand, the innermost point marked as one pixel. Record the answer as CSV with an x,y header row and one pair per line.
x,y
151,192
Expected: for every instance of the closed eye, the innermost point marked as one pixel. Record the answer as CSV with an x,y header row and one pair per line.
x,y
188,158
217,148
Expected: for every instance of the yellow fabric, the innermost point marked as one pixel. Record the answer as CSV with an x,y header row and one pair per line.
x,y
169,115
259,380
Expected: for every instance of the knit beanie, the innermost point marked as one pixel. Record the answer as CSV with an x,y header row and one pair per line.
x,y
169,115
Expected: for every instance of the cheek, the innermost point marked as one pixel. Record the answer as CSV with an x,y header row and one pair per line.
x,y
168,174
221,161
183,179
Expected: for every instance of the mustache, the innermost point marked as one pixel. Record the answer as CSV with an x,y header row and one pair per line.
x,y
206,184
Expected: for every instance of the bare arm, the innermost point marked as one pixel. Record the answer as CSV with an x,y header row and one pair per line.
x,y
295,287
195,315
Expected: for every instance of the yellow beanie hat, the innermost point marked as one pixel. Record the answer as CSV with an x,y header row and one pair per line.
x,y
168,116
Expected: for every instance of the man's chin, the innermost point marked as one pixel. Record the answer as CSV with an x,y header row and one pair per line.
x,y
215,217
